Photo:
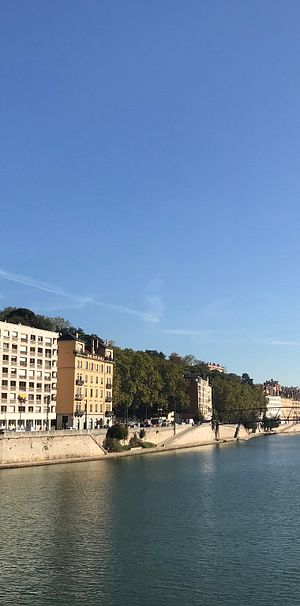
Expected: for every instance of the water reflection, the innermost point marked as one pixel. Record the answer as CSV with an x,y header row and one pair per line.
x,y
205,527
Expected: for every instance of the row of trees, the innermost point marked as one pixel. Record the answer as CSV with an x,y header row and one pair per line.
x,y
147,383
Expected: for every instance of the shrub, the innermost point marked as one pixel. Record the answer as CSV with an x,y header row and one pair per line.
x,y
117,432
142,433
148,445
135,442
113,445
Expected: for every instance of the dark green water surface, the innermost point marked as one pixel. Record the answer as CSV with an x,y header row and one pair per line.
x,y
214,526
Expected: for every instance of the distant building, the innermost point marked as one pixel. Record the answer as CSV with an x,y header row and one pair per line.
x,y
200,395
273,409
85,383
28,369
214,366
290,409
272,388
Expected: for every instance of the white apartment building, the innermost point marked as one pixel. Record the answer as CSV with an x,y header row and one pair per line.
x,y
273,409
200,394
28,374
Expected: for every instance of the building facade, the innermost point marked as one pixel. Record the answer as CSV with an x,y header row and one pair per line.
x,y
273,409
272,388
85,383
200,395
214,366
28,372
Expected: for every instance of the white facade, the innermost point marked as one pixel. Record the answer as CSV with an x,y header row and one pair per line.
x,y
273,407
205,398
28,374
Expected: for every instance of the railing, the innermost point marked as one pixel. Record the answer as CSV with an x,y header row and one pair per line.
x,y
79,382
78,397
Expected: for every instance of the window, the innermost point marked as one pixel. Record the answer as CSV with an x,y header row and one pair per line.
x,y
5,358
5,370
85,393
108,369
22,372
92,365
31,397
13,383
12,395
97,380
30,408
39,374
3,408
39,362
48,341
101,393
22,385
40,339
6,333
101,367
31,373
32,337
86,378
91,393
92,379
39,386
23,348
3,396
24,337
91,408
32,350
32,361
38,398
96,407
4,382
13,359
31,385
6,346
13,371
23,361
87,365
14,347
40,351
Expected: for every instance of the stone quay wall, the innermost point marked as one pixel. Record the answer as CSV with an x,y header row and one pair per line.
x,y
34,448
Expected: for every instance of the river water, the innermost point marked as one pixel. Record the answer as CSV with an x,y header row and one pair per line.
x,y
214,526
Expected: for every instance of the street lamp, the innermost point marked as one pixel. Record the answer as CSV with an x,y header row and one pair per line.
x,y
21,400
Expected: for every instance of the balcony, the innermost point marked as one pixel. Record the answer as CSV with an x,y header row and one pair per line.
x,y
108,399
108,359
79,382
78,396
108,385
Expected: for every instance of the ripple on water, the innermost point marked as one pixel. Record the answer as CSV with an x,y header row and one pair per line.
x,y
216,527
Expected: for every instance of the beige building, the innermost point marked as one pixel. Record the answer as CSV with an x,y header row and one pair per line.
x,y
290,410
200,394
84,385
214,366
28,377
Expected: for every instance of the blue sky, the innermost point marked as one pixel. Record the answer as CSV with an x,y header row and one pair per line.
x,y
150,174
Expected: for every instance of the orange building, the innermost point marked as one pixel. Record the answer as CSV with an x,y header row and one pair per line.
x,y
84,382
